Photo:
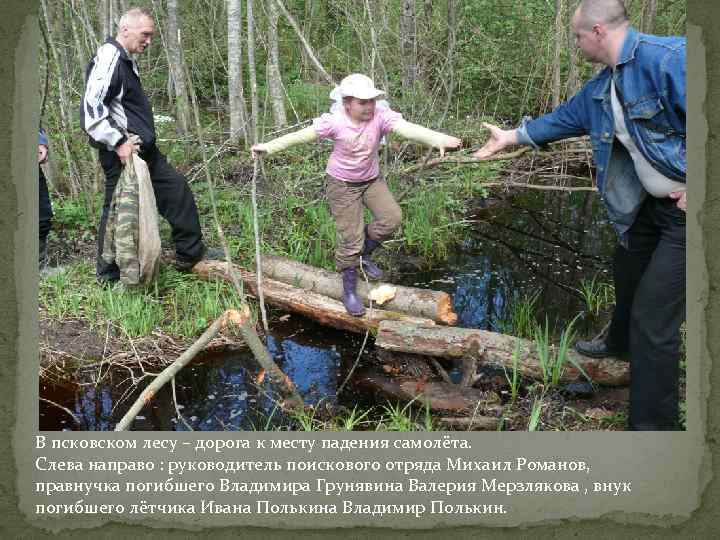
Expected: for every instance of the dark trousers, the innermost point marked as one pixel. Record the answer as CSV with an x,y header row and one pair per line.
x,y
46,213
650,308
175,202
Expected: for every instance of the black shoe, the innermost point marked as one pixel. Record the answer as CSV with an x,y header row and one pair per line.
x,y
212,253
596,349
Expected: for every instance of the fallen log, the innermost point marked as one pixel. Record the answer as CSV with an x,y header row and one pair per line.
x,y
439,396
326,311
434,305
497,349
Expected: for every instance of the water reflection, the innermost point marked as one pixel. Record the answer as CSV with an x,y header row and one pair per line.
x,y
530,242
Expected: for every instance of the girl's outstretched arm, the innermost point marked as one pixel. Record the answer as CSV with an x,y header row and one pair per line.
x,y
305,135
426,136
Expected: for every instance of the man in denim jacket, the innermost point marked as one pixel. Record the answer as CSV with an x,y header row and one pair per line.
x,y
634,113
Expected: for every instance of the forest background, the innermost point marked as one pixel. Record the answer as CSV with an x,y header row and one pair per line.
x,y
224,74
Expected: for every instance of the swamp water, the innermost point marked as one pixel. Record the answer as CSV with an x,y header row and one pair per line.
x,y
519,244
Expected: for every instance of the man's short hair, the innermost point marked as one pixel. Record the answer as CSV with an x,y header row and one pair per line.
x,y
608,12
133,15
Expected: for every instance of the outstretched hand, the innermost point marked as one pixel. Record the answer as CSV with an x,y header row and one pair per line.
x,y
258,150
450,142
499,140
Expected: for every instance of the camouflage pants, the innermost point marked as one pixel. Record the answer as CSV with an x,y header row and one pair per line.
x,y
175,202
346,201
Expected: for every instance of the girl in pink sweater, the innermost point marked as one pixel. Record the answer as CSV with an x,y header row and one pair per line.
x,y
357,124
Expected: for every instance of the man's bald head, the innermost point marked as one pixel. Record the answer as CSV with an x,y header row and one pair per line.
x,y
133,16
135,30
610,13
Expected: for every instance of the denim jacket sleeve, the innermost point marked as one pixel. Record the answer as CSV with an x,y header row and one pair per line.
x,y
675,82
568,120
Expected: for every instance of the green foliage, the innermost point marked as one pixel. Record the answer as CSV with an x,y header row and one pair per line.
x,y
597,295
514,381
353,420
552,359
523,315
535,414
431,220
397,417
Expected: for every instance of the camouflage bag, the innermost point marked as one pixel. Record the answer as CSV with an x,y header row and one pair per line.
x,y
132,238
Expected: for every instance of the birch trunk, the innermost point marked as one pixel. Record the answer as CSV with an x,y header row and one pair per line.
x,y
274,79
175,59
251,71
238,111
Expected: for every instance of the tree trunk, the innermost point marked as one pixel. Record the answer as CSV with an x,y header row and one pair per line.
x,y
103,12
559,41
408,44
59,55
451,45
274,79
573,79
376,47
424,303
428,13
238,111
315,306
251,70
649,12
497,349
175,59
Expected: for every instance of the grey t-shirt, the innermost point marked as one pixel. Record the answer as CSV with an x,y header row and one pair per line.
x,y
655,183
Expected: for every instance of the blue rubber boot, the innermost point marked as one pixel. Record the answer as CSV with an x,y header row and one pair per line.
x,y
372,271
350,300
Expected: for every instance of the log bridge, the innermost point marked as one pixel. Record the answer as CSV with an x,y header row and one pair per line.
x,y
415,321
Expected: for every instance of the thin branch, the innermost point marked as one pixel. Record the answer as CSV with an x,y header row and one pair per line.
x,y
64,409
461,160
304,42
147,395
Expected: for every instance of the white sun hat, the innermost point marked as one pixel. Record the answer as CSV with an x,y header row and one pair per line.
x,y
358,86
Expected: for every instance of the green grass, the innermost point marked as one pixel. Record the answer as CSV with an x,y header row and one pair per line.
x,y
523,315
180,304
597,295
398,417
553,359
353,420
432,220
514,381
535,414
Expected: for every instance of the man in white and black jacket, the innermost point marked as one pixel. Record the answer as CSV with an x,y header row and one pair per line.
x,y
114,105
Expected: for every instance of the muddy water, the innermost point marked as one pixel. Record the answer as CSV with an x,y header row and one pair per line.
x,y
518,244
